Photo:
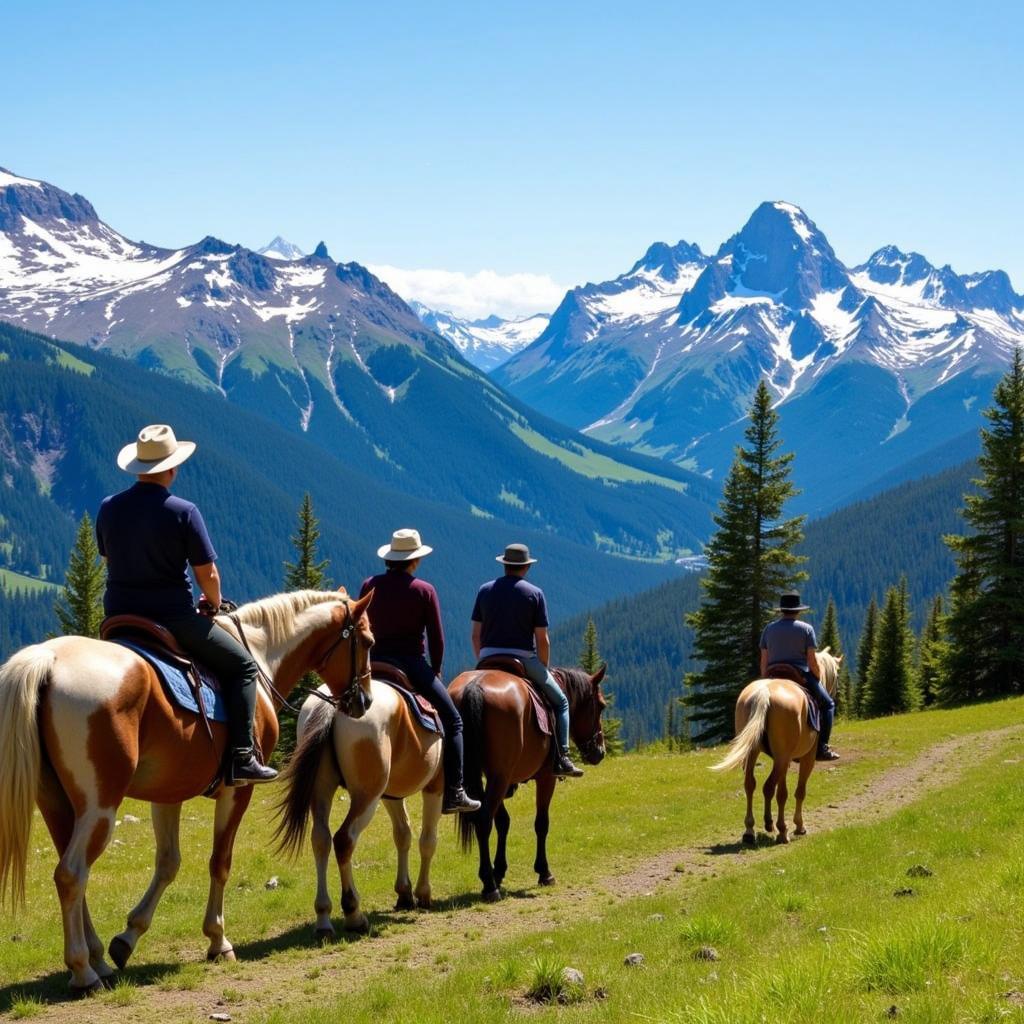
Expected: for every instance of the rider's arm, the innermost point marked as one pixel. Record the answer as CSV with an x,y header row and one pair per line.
x,y
540,635
477,628
435,634
209,582
764,663
812,662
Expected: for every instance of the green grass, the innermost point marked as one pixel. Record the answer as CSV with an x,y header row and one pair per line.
x,y
70,362
14,582
809,932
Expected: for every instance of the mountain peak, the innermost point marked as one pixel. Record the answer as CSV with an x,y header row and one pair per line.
x,y
281,249
211,246
320,252
665,260
40,202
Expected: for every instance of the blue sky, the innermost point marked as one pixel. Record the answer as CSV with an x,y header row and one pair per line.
x,y
552,139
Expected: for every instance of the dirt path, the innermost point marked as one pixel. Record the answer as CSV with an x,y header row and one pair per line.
x,y
261,984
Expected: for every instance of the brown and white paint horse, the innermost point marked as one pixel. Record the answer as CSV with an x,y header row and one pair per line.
x,y
385,754
772,718
85,723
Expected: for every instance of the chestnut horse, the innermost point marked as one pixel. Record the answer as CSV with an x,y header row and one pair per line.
x,y
505,743
772,718
385,754
85,723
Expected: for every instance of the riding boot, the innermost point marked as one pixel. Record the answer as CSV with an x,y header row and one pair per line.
x,y
457,801
564,767
247,769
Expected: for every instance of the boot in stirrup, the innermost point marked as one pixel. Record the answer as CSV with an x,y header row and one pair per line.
x,y
564,768
246,769
458,801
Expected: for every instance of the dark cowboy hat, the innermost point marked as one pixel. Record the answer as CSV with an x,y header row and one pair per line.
x,y
790,602
516,554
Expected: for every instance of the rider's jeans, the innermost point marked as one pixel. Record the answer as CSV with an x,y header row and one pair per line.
x,y
825,702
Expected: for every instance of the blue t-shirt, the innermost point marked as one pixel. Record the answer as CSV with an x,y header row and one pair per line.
x,y
149,538
509,609
787,640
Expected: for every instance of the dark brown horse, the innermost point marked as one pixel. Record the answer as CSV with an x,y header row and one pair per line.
x,y
505,743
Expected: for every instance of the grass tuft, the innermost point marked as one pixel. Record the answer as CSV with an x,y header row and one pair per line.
x,y
909,959
548,984
707,930
25,1007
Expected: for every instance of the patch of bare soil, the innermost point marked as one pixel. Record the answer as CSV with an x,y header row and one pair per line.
x,y
348,965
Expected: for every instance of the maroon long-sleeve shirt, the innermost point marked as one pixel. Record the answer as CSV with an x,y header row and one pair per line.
x,y
402,611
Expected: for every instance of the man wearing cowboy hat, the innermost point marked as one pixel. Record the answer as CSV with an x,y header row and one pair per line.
x,y
789,641
510,617
148,538
403,610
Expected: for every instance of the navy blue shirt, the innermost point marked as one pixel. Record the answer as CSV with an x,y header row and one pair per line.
x,y
509,609
787,640
149,538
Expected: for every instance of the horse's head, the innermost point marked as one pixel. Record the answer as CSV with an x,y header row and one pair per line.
x,y
586,705
345,661
828,664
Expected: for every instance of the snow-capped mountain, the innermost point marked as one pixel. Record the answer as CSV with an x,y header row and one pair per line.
x,y
486,343
281,249
876,365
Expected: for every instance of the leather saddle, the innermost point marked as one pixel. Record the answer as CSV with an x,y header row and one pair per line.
x,y
421,708
503,663
780,670
515,667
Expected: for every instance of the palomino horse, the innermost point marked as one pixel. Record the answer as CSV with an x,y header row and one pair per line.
x,y
386,753
505,743
772,717
85,723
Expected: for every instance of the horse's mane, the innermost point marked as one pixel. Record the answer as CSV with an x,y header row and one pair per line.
x,y
575,682
829,665
278,615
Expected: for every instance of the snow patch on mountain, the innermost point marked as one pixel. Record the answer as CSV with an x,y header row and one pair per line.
x,y
281,249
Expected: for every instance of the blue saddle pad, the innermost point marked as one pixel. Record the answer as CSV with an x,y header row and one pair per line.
x,y
429,720
813,712
176,685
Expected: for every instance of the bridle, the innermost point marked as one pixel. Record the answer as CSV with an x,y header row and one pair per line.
x,y
350,696
592,747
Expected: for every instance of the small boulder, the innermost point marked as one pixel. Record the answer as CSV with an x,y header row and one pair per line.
x,y
223,1017
634,960
272,883
705,953
130,819
919,871
571,976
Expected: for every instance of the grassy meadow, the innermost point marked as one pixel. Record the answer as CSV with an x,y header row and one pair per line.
x,y
904,902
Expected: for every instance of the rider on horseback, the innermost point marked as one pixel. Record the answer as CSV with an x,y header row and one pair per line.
x,y
403,609
510,617
789,641
148,538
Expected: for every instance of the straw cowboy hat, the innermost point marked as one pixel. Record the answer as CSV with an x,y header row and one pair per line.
x,y
404,547
156,450
790,602
516,554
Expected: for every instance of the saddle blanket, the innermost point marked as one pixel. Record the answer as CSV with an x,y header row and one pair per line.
x,y
419,707
177,687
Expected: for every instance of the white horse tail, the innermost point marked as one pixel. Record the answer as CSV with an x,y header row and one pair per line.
x,y
21,679
749,740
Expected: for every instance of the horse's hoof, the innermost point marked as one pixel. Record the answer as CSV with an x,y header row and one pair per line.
x,y
119,951
225,955
493,896
546,880
84,991
325,936
800,831
749,839
782,840
405,901
424,903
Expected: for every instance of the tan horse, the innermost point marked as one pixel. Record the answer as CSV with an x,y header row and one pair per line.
x,y
385,754
772,718
85,723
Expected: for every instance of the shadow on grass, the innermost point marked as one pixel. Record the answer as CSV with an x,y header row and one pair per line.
x,y
720,849
53,988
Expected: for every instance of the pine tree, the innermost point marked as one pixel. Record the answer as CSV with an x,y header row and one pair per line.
x,y
79,607
590,661
891,686
670,723
307,572
751,560
829,637
864,651
986,622
932,653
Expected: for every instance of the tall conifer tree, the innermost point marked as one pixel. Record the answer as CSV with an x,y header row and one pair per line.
x,y
590,661
891,686
79,607
751,560
865,649
932,652
986,623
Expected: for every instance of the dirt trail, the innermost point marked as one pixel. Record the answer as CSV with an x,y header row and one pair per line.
x,y
261,984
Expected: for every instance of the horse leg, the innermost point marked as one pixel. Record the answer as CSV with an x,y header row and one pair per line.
x,y
401,832
227,815
360,813
545,791
166,819
323,796
806,767
782,769
428,844
96,951
502,823
769,793
749,786
493,797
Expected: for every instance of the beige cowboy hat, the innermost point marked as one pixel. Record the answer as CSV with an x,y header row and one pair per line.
x,y
516,554
404,547
156,450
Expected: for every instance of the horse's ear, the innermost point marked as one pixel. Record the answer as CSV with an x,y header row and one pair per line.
x,y
825,650
362,604
840,659
599,675
343,591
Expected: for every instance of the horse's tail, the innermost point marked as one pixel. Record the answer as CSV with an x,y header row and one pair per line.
x,y
299,778
471,707
21,679
748,742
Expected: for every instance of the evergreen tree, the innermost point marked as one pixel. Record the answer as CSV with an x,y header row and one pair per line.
x,y
751,560
864,651
986,623
932,653
890,681
590,661
79,607
307,572
829,637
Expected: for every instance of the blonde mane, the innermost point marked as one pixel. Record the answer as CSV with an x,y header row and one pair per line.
x,y
278,616
829,665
